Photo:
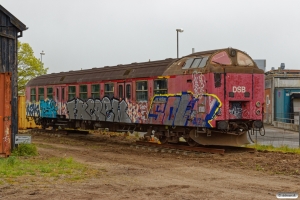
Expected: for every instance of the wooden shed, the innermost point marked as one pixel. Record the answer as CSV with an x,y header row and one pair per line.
x,y
10,30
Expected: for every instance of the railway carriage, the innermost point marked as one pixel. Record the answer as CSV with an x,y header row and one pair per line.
x,y
210,98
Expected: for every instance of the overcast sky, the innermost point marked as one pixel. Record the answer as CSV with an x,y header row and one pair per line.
x,y
84,34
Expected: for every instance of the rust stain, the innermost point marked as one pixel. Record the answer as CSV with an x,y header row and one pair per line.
x,y
5,114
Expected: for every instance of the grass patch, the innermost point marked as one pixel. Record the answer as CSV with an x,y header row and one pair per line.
x,y
59,168
283,148
25,150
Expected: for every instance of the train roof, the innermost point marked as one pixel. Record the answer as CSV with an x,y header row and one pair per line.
x,y
169,66
119,72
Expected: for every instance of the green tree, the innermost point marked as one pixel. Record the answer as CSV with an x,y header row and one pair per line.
x,y
28,66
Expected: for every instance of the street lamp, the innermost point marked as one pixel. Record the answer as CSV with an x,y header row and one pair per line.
x,y
42,53
178,30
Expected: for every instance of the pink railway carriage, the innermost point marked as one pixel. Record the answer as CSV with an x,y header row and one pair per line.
x,y
210,98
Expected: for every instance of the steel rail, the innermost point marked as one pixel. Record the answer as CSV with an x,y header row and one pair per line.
x,y
181,147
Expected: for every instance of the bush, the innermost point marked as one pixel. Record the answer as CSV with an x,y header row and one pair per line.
x,y
25,150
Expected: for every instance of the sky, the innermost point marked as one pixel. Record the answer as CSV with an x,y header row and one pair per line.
x,y
77,34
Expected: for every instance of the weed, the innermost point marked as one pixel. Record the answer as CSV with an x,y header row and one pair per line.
x,y
136,134
25,150
283,148
259,168
11,161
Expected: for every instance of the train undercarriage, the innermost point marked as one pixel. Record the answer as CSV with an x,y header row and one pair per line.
x,y
227,133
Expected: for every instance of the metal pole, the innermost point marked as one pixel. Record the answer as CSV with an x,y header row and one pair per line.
x,y
177,44
42,53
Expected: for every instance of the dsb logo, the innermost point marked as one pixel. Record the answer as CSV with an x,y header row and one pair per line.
x,y
238,89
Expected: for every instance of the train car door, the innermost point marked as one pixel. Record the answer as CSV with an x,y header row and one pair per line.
x,y
60,97
121,91
125,91
128,91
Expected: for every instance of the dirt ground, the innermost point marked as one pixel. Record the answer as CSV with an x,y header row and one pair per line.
x,y
131,173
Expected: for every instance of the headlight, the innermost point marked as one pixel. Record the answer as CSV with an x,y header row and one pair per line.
x,y
258,104
258,112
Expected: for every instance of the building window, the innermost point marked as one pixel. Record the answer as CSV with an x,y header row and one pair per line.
x,y
83,92
41,94
50,93
109,90
160,86
95,91
141,91
32,94
72,92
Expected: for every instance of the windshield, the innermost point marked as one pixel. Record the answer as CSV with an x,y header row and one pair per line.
x,y
197,62
221,58
244,60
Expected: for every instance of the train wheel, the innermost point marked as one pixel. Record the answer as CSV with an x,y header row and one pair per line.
x,y
163,139
192,142
44,125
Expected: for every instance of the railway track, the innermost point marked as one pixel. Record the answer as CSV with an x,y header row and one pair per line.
x,y
182,147
187,149
63,131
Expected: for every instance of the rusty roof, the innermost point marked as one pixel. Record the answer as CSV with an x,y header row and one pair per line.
x,y
119,72
167,67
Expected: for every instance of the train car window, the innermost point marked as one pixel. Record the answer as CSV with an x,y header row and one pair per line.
x,y
221,58
142,91
203,62
187,63
50,93
244,60
63,94
121,91
160,86
128,91
83,92
32,94
72,92
196,62
95,91
109,90
41,94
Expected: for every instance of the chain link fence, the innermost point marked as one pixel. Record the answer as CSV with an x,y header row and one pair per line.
x,y
282,131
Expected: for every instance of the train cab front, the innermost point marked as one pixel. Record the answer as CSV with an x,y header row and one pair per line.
x,y
239,84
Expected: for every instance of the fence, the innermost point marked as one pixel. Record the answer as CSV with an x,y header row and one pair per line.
x,y
276,137
283,129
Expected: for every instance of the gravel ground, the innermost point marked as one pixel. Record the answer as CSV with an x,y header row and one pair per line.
x,y
129,173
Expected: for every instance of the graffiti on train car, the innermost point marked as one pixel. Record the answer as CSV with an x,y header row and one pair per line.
x,y
33,109
63,109
138,112
48,108
239,111
179,109
198,84
111,110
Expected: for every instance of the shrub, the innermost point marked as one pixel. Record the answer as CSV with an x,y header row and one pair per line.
x,y
25,150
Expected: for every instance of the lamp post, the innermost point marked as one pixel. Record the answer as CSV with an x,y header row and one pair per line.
x,y
178,30
42,53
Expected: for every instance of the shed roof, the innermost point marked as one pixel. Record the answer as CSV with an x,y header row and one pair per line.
x,y
15,21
